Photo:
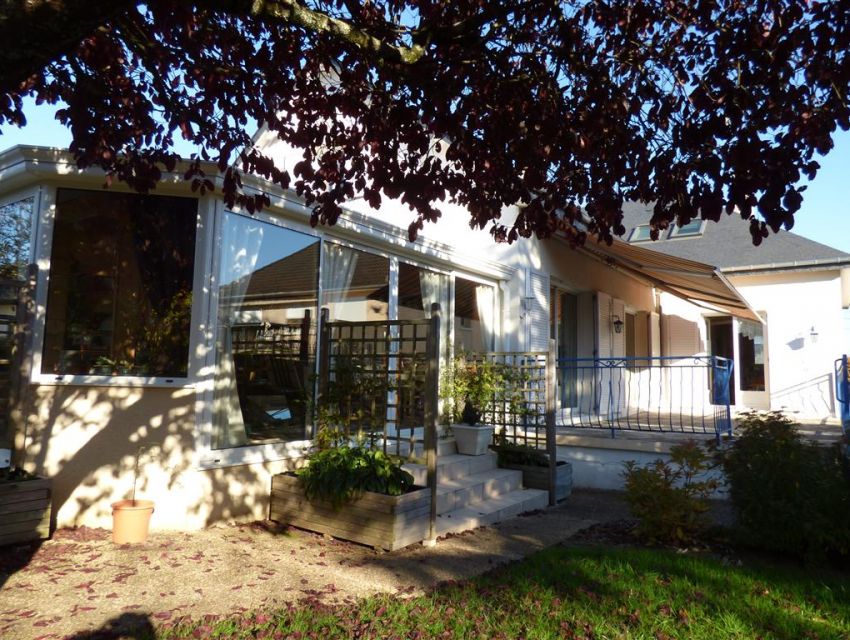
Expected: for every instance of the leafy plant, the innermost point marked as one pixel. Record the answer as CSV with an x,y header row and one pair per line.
x,y
16,474
671,498
790,496
341,474
518,454
472,385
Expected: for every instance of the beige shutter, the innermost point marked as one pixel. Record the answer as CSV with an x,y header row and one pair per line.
x,y
681,336
538,311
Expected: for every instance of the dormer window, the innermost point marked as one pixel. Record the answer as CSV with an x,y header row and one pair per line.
x,y
693,228
641,233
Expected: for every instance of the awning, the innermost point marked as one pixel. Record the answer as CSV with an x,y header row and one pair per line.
x,y
699,283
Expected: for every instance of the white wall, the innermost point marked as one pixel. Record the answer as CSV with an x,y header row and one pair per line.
x,y
800,367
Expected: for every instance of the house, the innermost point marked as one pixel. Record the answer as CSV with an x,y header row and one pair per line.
x,y
168,327
800,290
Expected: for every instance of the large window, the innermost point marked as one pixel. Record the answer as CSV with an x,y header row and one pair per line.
x,y
355,284
119,297
268,290
474,305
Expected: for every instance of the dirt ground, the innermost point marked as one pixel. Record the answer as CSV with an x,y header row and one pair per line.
x,y
79,585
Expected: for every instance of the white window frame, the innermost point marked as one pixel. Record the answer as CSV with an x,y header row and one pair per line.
x,y
15,197
676,232
43,250
633,239
206,457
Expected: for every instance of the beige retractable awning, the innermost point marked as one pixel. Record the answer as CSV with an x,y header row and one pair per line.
x,y
696,282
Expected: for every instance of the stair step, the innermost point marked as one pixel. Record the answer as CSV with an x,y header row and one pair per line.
x,y
476,488
493,510
445,447
452,467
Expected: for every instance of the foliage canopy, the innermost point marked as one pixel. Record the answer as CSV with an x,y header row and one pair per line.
x,y
571,107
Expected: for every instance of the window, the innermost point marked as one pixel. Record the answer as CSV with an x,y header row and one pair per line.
x,y
15,230
355,284
693,228
641,233
268,290
119,298
751,355
474,305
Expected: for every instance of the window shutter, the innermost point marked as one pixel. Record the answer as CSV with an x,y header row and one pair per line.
x,y
538,311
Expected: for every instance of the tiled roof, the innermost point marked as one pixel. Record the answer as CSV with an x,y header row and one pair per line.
x,y
727,244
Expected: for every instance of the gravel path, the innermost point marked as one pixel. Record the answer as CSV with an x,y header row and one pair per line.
x,y
79,585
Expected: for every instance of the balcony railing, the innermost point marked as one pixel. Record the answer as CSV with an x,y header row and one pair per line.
x,y
687,394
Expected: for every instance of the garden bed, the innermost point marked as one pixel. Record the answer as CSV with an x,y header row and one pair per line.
x,y
24,510
374,519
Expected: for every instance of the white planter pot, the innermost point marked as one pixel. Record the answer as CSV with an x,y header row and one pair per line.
x,y
472,440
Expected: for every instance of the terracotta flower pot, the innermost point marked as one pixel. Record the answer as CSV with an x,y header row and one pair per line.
x,y
130,521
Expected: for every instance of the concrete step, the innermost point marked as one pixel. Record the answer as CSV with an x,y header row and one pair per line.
x,y
452,467
478,487
445,447
493,510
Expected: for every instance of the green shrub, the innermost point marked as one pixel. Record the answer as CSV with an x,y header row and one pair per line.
x,y
341,474
671,498
518,454
789,496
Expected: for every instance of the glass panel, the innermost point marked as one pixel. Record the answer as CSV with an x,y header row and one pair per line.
x,y
693,228
640,233
751,355
474,315
355,284
119,299
418,289
266,337
15,230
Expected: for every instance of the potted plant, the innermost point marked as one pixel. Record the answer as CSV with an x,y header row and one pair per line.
x,y
131,518
469,387
534,465
24,504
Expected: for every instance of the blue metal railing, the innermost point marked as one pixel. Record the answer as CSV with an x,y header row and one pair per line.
x,y
842,392
688,394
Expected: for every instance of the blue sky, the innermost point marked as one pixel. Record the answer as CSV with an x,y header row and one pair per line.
x,y
824,216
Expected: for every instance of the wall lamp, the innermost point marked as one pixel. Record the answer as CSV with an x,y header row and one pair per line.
x,y
813,334
617,324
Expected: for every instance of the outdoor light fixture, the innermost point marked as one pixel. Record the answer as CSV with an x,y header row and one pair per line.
x,y
813,334
618,324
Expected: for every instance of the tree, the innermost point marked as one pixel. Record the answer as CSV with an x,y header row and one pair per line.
x,y
571,108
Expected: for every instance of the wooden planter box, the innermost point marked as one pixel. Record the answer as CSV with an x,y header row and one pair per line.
x,y
24,511
534,477
385,522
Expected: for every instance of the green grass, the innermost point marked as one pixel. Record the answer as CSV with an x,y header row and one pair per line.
x,y
582,593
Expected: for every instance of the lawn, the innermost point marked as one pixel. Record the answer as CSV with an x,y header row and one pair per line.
x,y
578,593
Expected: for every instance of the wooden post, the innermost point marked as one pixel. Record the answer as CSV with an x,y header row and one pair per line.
x,y
21,368
324,364
551,443
307,375
432,400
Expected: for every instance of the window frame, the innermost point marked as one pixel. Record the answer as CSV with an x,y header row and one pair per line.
x,y
43,252
634,240
676,231
22,194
